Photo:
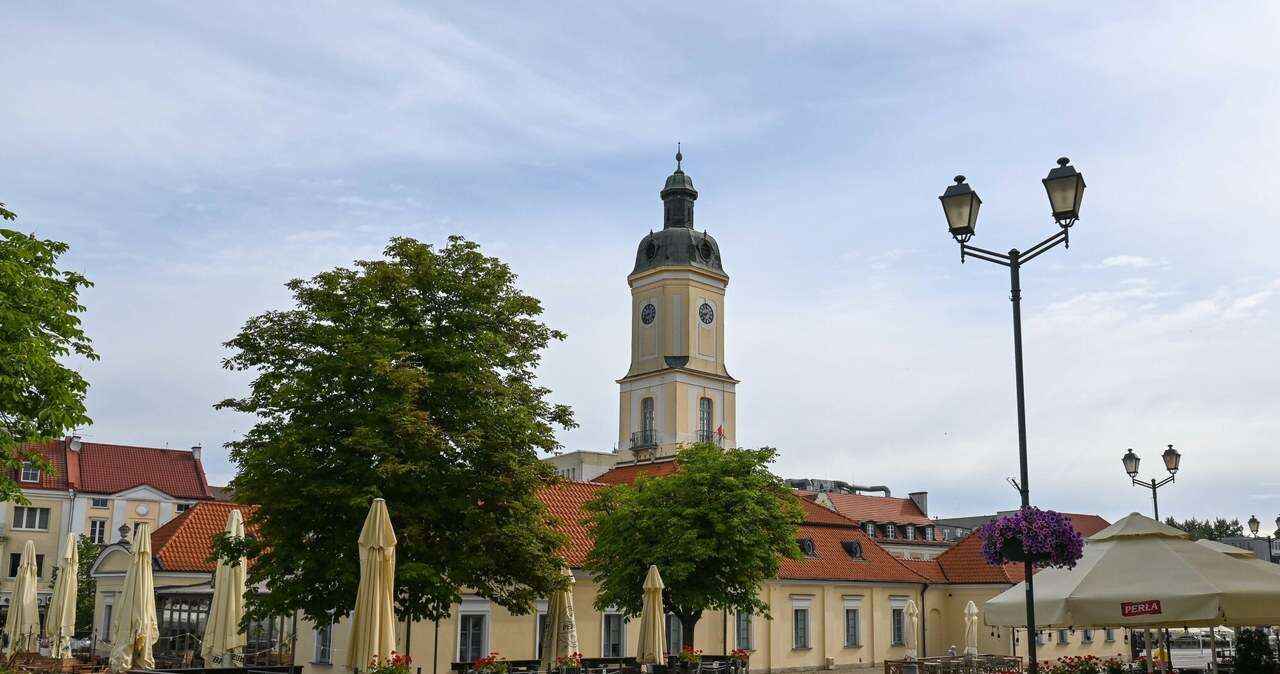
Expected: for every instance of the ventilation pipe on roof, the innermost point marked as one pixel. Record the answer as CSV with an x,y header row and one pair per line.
x,y
812,484
195,451
74,443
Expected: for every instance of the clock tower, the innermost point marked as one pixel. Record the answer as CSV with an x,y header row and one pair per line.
x,y
677,390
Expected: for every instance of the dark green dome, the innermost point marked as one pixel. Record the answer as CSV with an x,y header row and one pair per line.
x,y
679,181
678,246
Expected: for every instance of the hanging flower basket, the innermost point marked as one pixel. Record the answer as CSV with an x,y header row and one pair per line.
x,y
1042,536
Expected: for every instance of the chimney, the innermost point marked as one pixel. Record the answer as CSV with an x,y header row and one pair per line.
x,y
73,442
921,499
195,451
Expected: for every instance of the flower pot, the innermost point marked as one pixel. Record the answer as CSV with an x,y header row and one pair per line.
x,y
1013,551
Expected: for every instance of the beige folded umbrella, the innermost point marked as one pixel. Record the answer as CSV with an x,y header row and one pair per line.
x,y
1139,572
650,647
373,624
223,642
970,629
60,620
913,626
134,629
560,637
23,622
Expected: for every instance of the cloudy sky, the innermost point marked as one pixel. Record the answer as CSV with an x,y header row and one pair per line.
x,y
197,161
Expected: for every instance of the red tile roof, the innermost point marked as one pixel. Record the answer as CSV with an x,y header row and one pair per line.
x,y
100,468
565,501
929,568
863,508
816,514
57,457
832,562
1087,525
185,543
628,474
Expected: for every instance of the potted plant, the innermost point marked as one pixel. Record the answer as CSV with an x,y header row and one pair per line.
x,y
741,657
1044,537
569,664
491,664
397,664
690,659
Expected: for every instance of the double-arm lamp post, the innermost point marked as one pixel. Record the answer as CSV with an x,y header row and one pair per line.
x,y
1253,529
1171,461
1065,187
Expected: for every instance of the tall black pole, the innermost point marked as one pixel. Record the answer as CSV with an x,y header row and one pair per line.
x,y
1155,502
1024,486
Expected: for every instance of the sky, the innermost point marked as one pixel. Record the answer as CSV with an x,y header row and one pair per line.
x,y
195,161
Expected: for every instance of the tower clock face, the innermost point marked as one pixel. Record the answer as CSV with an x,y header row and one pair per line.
x,y
648,313
706,313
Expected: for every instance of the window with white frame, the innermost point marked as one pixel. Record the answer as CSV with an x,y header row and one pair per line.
x,y
106,616
852,621
15,559
473,629
704,420
890,531
183,507
98,503
1109,634
1063,637
743,631
29,472
897,621
98,531
613,642
324,644
870,528
541,628
675,633
29,518
800,628
1087,637
910,530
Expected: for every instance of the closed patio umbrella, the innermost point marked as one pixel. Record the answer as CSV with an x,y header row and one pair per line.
x,y
60,621
134,629
23,622
373,625
913,626
1141,573
222,635
560,637
650,648
970,629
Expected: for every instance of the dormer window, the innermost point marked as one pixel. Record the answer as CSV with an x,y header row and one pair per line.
x,y
807,547
928,533
870,528
910,532
890,531
29,472
854,548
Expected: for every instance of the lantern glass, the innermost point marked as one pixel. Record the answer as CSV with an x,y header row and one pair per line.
x,y
1065,187
1171,459
960,204
1131,463
1254,524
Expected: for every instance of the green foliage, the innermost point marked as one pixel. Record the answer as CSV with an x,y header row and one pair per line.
x,y
86,586
1253,652
40,397
717,528
411,378
1214,530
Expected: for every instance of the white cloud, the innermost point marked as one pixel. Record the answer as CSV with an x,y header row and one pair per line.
x,y
1129,261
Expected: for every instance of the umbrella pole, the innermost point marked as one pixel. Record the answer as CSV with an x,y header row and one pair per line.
x,y
435,650
1146,641
1213,649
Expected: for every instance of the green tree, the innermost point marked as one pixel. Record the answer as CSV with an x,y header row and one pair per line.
x,y
1214,530
40,397
717,528
1253,652
410,378
86,586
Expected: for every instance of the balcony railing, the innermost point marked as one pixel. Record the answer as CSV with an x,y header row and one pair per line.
x,y
709,435
644,439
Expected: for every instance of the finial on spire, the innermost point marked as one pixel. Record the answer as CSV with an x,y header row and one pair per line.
x,y
679,156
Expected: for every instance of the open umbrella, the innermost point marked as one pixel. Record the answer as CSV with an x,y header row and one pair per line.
x,y
222,635
373,625
23,622
970,629
60,621
134,629
913,626
560,637
1139,572
650,648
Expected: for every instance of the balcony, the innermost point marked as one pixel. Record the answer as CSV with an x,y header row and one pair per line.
x,y
709,435
646,439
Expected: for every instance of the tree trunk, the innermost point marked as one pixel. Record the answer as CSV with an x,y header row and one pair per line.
x,y
687,622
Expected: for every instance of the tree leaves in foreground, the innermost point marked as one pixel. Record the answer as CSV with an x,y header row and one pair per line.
x,y
86,585
718,527
409,378
1214,530
40,398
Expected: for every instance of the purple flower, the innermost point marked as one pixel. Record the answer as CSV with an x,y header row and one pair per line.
x,y
1043,536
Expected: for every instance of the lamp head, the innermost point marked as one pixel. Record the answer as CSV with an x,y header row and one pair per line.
x,y
1131,462
1065,187
960,204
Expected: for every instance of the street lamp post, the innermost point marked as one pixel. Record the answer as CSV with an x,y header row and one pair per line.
x,y
1172,459
1065,188
1253,528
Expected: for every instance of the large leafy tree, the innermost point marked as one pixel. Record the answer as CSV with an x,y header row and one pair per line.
x,y
86,585
717,528
409,378
40,397
1212,529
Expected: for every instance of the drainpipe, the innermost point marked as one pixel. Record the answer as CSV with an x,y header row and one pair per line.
x,y
924,648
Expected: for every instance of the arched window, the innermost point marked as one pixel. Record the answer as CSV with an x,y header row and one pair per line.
x,y
706,427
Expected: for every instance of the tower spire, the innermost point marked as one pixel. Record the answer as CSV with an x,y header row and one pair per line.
x,y
678,196
679,158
